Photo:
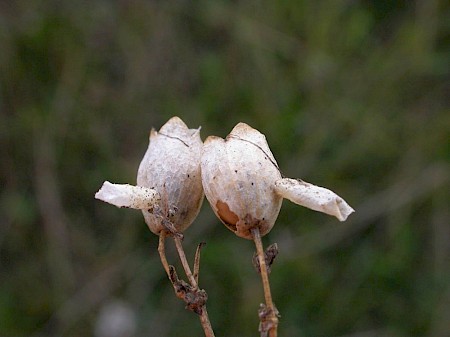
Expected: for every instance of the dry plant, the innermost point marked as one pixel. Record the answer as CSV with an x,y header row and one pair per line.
x,y
169,192
244,186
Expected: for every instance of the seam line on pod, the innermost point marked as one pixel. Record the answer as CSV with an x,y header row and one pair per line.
x,y
173,137
259,147
196,131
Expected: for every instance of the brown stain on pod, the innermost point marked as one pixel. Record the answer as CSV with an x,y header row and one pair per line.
x,y
238,175
171,165
227,216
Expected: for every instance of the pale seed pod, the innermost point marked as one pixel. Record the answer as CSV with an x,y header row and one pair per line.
x,y
245,188
238,175
171,165
169,190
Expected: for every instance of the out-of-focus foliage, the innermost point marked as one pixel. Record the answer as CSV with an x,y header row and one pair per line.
x,y
352,95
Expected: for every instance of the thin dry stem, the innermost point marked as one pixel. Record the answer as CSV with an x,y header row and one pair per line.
x,y
162,252
197,261
184,262
269,320
206,324
204,318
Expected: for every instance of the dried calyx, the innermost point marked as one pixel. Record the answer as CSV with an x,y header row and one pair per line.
x,y
239,174
169,188
245,188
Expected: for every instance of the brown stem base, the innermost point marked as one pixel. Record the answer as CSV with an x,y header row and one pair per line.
x,y
268,314
190,293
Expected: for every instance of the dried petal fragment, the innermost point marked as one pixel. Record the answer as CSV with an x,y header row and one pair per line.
x,y
124,195
314,197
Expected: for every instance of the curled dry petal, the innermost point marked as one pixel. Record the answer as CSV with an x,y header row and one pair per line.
x,y
171,165
313,197
238,176
124,195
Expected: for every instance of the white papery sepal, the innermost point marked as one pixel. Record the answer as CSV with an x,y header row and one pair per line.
x,y
124,195
314,197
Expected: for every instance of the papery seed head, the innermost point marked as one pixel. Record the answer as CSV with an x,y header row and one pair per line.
x,y
238,175
171,165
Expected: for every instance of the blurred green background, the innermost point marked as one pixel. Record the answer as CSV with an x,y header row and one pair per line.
x,y
351,95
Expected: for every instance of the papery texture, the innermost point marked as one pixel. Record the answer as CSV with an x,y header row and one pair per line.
x,y
238,176
313,197
124,195
171,165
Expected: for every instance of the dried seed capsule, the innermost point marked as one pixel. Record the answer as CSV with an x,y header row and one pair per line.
x,y
238,175
244,186
171,165
169,190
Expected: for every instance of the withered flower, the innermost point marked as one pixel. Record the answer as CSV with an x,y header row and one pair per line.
x,y
169,188
169,192
245,188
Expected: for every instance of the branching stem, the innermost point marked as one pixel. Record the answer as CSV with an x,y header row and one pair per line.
x,y
203,314
184,262
204,318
